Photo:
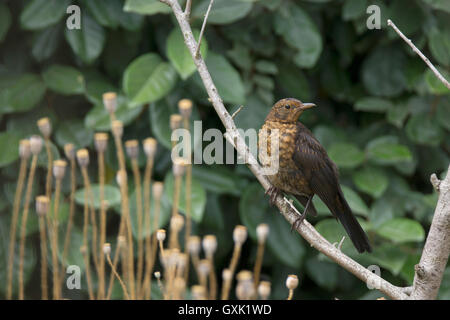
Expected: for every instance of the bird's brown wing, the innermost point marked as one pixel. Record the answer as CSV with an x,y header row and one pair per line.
x,y
311,158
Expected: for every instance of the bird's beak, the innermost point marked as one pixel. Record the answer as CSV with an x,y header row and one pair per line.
x,y
307,105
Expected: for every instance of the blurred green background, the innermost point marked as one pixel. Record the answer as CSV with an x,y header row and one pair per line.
x,y
383,116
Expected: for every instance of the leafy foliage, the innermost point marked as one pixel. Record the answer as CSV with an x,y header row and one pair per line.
x,y
382,116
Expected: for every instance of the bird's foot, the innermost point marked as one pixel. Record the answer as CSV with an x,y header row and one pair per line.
x,y
273,193
299,221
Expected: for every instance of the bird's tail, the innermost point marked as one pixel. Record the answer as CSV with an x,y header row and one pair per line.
x,y
351,225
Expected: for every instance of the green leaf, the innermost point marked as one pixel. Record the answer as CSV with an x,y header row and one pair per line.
x,y
225,77
372,104
254,209
443,112
46,42
148,79
435,86
96,85
424,129
5,21
357,205
23,94
438,4
299,31
75,132
198,197
9,144
106,12
383,72
406,20
371,180
400,230
88,42
149,7
218,179
444,290
293,81
64,79
222,11
333,231
397,114
384,150
265,66
439,45
353,9
346,155
43,159
99,119
112,195
389,257
39,14
179,55
323,273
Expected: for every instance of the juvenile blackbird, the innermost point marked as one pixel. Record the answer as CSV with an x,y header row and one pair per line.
x,y
305,168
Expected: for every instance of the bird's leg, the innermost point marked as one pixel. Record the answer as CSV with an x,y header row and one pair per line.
x,y
273,192
302,217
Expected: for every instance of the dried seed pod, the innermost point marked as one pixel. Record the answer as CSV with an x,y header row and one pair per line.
x,y
226,274
69,150
157,275
121,177
45,127
59,168
245,290
83,158
110,101
244,275
35,144
150,145
132,148
42,205
117,128
292,282
194,245
262,231
264,289
107,248
157,190
101,141
209,244
239,234
198,292
161,235
24,149
185,107
177,222
203,267
179,167
175,121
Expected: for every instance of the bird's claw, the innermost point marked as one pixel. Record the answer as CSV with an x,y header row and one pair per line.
x,y
273,193
298,222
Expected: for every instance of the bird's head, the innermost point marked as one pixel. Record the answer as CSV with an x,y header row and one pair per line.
x,y
288,110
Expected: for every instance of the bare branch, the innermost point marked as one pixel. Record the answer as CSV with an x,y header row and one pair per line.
x,y
305,229
421,55
203,28
429,271
236,112
435,182
187,10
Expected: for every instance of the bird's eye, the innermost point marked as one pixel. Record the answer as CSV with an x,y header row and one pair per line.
x,y
287,106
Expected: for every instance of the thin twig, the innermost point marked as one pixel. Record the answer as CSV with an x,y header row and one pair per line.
x,y
187,10
236,112
421,55
203,28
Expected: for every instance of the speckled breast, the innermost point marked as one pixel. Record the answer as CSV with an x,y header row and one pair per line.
x,y
287,177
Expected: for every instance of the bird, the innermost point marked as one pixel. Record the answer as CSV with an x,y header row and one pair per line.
x,y
304,168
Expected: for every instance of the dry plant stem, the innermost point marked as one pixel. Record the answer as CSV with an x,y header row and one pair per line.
x,y
124,288
429,271
212,279
44,282
203,28
87,185
112,277
101,275
173,242
88,274
73,186
48,181
420,54
140,262
234,261
291,294
187,11
154,247
305,229
188,200
13,228
23,227
147,225
258,264
54,241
